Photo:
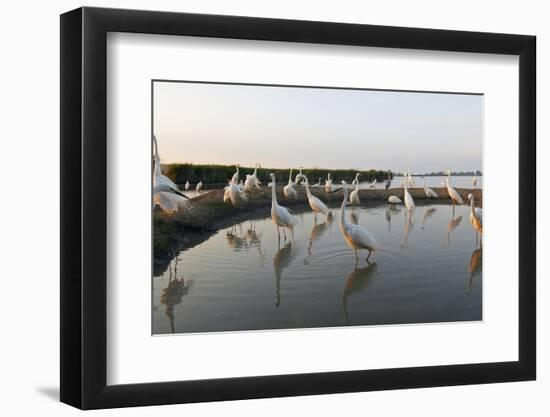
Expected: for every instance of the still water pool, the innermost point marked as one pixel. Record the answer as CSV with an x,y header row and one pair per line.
x,y
243,278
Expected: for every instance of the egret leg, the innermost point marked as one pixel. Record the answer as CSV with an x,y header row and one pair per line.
x,y
284,232
356,256
279,233
369,256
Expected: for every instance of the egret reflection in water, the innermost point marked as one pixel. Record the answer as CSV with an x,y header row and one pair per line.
x,y
354,217
173,294
317,231
428,212
391,211
475,267
357,281
453,224
233,287
407,227
282,259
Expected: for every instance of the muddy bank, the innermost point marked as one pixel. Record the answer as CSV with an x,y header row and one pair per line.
x,y
207,213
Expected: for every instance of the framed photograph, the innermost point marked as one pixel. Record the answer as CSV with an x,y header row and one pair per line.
x,y
257,208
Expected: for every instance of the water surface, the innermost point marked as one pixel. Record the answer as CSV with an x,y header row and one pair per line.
x,y
243,278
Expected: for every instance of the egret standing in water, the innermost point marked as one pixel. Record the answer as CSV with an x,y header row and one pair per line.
x,y
373,183
453,194
199,187
187,185
356,180
289,190
317,206
474,181
357,237
280,215
409,202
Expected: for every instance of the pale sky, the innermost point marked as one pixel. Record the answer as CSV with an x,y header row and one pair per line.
x,y
283,127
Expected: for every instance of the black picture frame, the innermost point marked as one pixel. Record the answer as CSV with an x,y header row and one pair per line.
x,y
84,207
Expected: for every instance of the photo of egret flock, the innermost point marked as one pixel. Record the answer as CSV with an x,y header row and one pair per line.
x,y
293,207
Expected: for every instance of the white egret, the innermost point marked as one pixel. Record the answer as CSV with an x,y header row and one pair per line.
x,y
299,176
235,178
318,183
280,215
356,180
476,216
354,196
357,237
409,201
162,182
187,185
252,180
168,202
453,194
199,187
289,190
428,191
474,181
165,193
410,180
226,193
317,206
393,200
329,188
387,183
234,193
373,183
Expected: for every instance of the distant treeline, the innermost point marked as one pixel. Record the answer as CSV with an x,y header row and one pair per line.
x,y
216,174
454,174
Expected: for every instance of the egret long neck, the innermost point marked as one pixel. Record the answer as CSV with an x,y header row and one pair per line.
x,y
290,178
273,193
343,212
157,159
307,186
